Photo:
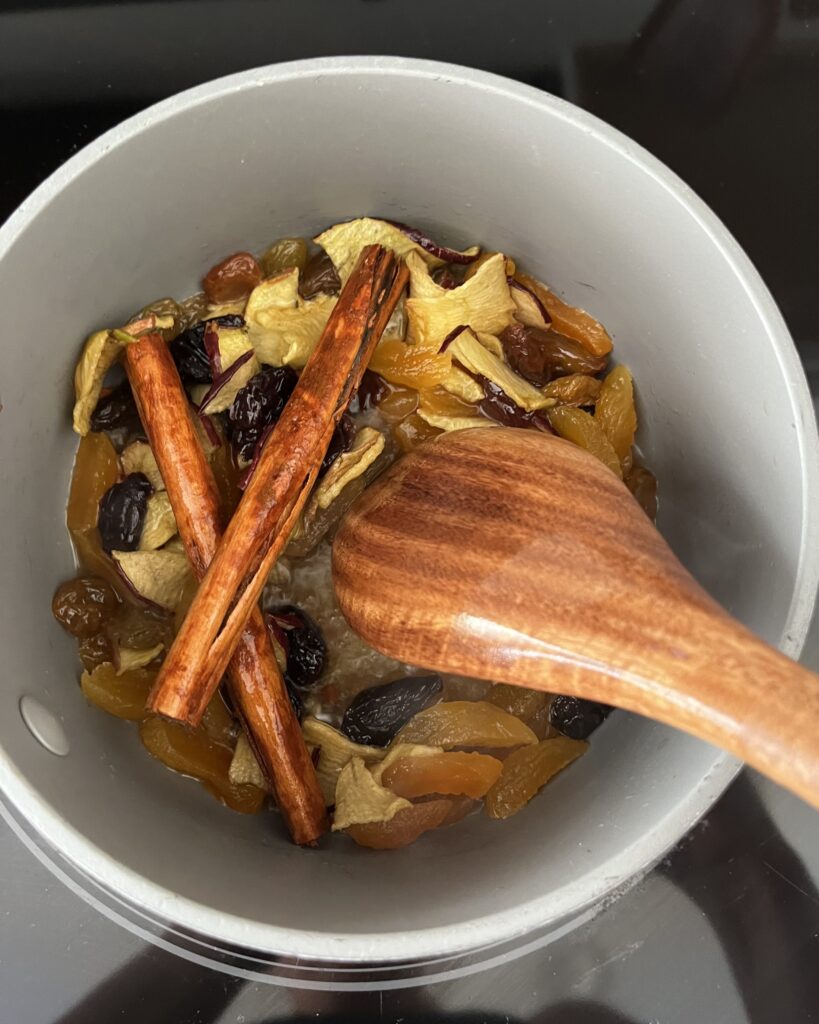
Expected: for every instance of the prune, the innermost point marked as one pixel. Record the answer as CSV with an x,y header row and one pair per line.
x,y
575,717
232,279
339,443
83,606
319,277
258,405
117,410
122,513
303,644
526,771
372,390
375,715
539,355
189,352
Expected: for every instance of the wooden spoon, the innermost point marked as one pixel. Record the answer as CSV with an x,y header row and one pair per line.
x,y
515,556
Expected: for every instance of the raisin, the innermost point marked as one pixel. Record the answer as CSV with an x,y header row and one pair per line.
x,y
83,606
376,714
122,513
319,277
372,390
497,405
643,485
339,443
303,644
527,770
616,414
413,431
233,278
403,828
283,255
95,650
189,352
117,410
257,406
465,723
575,717
540,354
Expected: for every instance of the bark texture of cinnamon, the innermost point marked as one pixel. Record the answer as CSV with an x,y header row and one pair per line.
x,y
278,489
259,693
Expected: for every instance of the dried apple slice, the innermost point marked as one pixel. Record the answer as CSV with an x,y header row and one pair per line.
x,y
284,328
156,576
233,361
137,457
360,800
478,359
335,752
529,309
159,524
244,768
130,658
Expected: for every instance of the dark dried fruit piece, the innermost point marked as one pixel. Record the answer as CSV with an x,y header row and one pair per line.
x,y
340,442
539,355
189,351
444,278
300,637
233,278
376,714
84,605
575,717
95,650
117,410
122,513
372,390
257,406
319,277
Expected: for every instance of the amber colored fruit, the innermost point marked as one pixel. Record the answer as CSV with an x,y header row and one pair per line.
x,y
530,706
526,771
123,696
643,485
474,266
193,309
96,469
583,430
400,403
94,560
615,412
464,723
84,605
139,626
233,278
570,320
193,752
413,431
218,722
403,828
576,389
439,402
95,650
284,254
409,365
453,772
226,474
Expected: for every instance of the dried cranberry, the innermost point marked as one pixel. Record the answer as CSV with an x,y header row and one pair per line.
x,y
372,390
540,355
340,441
189,352
117,410
259,404
575,717
122,513
376,714
302,642
320,277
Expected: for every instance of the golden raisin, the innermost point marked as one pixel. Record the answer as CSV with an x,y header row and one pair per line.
x,y
615,412
398,404
527,770
530,706
413,431
643,485
576,389
409,365
463,723
283,255
232,279
123,696
439,402
454,772
570,320
84,605
96,468
403,828
581,429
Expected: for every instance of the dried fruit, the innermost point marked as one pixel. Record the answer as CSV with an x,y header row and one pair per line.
x,y
234,363
100,352
453,772
347,467
159,524
359,799
398,404
96,469
257,406
227,476
372,390
83,606
463,723
138,626
576,389
529,310
489,254
530,706
409,366
526,771
643,485
117,410
539,355
439,252
319,277
127,659
166,309
302,641
576,717
138,458
335,751
244,768
413,431
95,650
405,826
122,513
233,278
193,752
189,352
615,412
284,254
339,443
123,696
375,715
469,353
284,329
575,323
581,429
159,576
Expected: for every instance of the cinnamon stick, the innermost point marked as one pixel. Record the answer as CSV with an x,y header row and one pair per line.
x,y
259,693
278,489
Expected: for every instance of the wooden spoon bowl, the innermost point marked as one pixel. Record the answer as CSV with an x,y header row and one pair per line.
x,y
516,556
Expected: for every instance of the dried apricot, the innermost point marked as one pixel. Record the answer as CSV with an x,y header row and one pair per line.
x,y
526,771
403,828
583,430
453,772
96,468
233,278
466,723
643,485
615,412
570,320
530,706
123,696
409,365
413,431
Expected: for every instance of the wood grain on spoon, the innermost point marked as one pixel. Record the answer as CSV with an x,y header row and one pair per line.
x,y
514,556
